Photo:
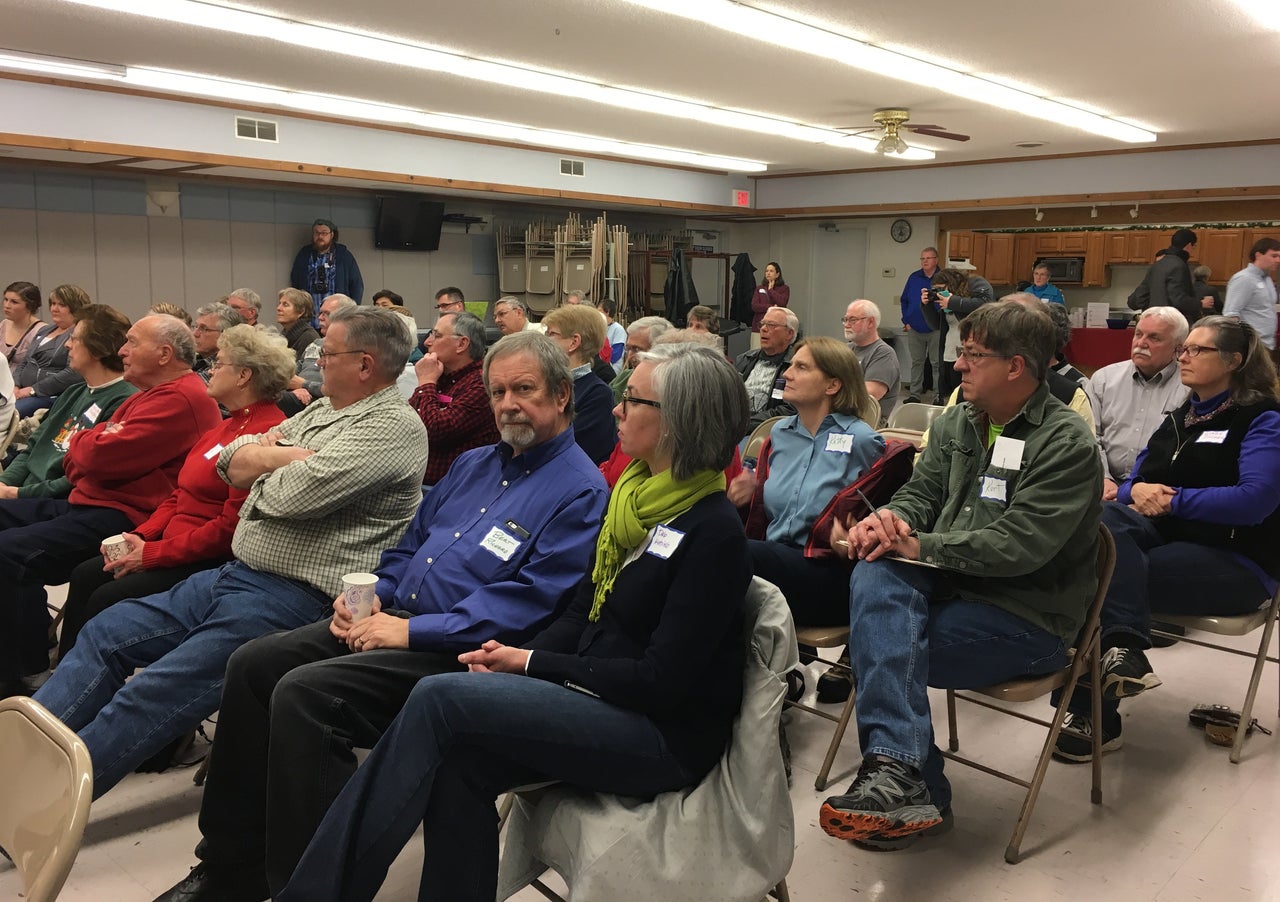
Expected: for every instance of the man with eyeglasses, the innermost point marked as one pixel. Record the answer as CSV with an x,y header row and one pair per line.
x,y
211,321
493,550
511,315
450,396
999,524
450,300
325,267
880,368
761,368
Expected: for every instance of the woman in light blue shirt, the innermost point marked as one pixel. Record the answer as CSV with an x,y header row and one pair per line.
x,y
1041,288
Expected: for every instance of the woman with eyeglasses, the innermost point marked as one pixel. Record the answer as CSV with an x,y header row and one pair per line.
x,y
1197,523
191,530
809,457
633,690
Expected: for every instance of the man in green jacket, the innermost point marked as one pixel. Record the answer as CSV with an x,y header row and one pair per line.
x,y
1000,522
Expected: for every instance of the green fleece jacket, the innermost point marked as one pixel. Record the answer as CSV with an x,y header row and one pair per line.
x,y
37,471
1021,538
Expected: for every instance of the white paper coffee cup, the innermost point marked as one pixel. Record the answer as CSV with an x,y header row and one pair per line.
x,y
115,547
359,589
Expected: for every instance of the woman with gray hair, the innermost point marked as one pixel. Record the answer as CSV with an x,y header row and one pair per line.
x,y
293,313
633,690
191,530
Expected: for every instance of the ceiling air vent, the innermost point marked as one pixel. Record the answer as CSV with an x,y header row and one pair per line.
x,y
572,167
255,129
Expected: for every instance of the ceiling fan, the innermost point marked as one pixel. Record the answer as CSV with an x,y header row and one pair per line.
x,y
891,120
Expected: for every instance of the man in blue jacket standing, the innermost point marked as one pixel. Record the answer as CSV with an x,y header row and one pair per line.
x,y
325,267
921,339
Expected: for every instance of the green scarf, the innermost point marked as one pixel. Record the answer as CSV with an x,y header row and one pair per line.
x,y
640,501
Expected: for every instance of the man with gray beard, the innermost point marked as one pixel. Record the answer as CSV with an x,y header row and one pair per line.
x,y
494,548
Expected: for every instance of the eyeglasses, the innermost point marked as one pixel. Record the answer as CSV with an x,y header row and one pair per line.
x,y
198,328
628,398
966,354
325,355
851,320
1191,350
218,364
446,305
436,333
765,324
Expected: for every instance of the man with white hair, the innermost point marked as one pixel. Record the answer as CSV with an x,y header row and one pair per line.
x,y
1135,395
880,368
246,302
762,368
511,315
642,334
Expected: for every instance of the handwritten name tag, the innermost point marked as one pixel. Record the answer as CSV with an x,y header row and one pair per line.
x,y
665,541
500,544
1212,437
840,443
214,451
92,413
994,489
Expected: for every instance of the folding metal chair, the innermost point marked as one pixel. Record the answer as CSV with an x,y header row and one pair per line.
x,y
827,637
1240,625
1086,654
917,417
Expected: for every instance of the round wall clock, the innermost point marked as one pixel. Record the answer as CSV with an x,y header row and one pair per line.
x,y
900,231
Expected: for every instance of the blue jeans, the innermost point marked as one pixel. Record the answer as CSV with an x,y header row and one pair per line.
x,y
908,630
461,740
183,639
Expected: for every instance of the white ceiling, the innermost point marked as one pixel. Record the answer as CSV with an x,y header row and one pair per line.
x,y
1194,72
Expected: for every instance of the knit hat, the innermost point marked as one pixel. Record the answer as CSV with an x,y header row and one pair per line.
x,y
1182,238
334,228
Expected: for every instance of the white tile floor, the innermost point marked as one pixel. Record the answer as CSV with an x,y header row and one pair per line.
x,y
1178,821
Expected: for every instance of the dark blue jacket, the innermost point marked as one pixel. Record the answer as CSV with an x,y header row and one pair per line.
x,y
911,312
347,281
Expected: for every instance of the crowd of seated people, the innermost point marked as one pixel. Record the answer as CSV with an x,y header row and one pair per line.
x,y
44,372
219,513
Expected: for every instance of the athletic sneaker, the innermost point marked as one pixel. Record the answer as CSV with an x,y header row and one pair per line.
x,y
894,844
1126,673
888,800
1079,749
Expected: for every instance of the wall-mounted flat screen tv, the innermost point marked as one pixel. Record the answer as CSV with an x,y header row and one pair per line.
x,y
408,222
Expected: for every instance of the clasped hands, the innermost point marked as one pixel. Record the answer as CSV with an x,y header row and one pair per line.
x,y
1152,499
881,533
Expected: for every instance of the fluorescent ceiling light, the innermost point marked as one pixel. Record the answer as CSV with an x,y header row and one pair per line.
x,y
749,22
354,108
1263,12
371,46
53,65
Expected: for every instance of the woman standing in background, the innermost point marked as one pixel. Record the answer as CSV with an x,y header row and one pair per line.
x,y
772,292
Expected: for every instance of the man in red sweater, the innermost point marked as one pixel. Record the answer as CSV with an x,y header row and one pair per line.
x,y
120,471
450,396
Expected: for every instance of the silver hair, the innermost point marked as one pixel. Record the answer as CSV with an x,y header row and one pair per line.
x,y
514,303
227,315
343,302
870,308
1173,316
793,321
705,411
470,327
249,296
575,293
655,325
266,354
171,331
380,333
689,336
553,362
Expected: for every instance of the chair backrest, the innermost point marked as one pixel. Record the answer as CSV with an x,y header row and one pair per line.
x,y
756,440
869,413
10,430
731,837
914,416
45,793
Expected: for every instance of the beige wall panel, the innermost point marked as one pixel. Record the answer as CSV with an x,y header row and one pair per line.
x,y
67,253
256,261
206,251
124,271
164,235
19,254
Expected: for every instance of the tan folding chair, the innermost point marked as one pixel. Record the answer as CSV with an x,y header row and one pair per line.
x,y
826,637
917,417
1086,654
758,437
913,437
10,432
1240,625
870,412
44,796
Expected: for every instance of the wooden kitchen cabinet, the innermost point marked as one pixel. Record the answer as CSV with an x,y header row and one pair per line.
x,y
1095,261
1116,246
1222,250
1071,244
960,244
1059,244
1024,257
997,267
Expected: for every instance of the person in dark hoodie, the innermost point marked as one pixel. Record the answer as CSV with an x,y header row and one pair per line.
x,y
1168,281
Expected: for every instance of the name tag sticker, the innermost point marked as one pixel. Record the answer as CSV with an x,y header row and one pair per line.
x,y
993,489
665,541
214,451
1007,454
92,413
839,443
500,544
1212,437
764,290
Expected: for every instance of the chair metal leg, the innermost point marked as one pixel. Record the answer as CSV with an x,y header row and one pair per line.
x,y
1246,713
953,738
780,891
842,724
1095,706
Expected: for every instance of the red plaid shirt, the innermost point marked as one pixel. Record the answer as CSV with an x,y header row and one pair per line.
x,y
457,415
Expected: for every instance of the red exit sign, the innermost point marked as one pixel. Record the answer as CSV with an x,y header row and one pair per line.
x,y
741,198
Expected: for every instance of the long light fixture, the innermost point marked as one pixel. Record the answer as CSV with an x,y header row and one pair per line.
x,y
363,45
1261,11
747,21
370,111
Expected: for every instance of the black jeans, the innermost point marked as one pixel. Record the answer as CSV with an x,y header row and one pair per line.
x,y
93,590
817,591
295,706
41,539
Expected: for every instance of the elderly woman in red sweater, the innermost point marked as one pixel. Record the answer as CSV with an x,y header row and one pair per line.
x,y
191,530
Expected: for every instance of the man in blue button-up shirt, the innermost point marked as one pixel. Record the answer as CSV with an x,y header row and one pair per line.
x,y
1251,293
493,551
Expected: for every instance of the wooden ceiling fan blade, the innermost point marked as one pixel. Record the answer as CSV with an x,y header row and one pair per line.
x,y
935,131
